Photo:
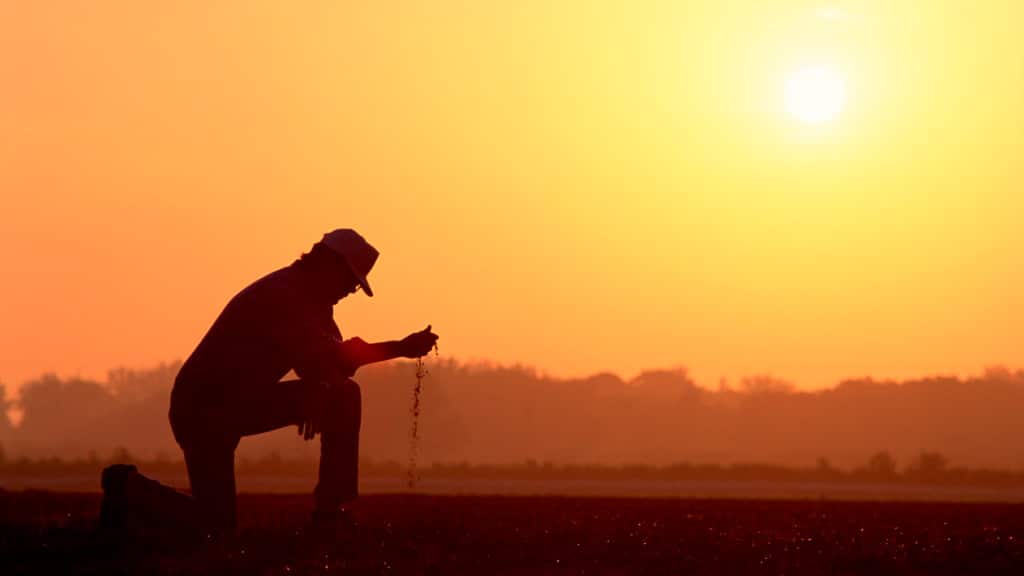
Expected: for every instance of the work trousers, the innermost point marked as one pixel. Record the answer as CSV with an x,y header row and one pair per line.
x,y
209,433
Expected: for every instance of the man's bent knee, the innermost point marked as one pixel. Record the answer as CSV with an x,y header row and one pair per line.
x,y
345,389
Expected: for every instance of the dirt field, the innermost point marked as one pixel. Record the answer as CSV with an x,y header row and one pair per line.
x,y
43,532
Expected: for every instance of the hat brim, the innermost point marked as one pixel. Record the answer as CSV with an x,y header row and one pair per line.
x,y
363,283
366,286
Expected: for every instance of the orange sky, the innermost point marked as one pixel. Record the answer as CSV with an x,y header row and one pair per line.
x,y
579,186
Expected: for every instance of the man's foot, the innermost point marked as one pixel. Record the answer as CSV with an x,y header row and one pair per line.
x,y
137,508
114,508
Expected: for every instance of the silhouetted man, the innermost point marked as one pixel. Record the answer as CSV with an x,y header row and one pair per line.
x,y
231,384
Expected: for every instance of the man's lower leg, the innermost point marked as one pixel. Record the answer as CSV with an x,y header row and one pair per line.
x,y
339,449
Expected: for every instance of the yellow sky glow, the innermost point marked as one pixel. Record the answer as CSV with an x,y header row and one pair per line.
x,y
578,186
815,94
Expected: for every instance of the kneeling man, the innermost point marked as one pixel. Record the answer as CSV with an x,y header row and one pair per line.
x,y
231,384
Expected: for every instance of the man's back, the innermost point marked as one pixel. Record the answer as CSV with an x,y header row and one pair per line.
x,y
259,336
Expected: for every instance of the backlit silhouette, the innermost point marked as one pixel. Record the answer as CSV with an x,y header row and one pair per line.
x,y
231,385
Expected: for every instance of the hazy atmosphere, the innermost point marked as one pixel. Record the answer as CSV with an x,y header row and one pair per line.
x,y
489,415
816,191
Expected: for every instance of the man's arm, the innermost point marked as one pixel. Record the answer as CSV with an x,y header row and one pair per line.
x,y
349,355
356,352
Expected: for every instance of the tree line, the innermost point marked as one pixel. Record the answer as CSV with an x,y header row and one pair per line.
x,y
488,415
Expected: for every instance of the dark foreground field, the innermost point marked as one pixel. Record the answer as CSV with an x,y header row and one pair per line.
x,y
52,533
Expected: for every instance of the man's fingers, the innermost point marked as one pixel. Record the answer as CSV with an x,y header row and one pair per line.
x,y
306,429
309,427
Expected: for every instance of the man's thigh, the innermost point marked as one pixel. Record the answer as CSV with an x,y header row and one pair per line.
x,y
275,406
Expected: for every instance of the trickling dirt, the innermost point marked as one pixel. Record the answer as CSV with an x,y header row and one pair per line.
x,y
414,429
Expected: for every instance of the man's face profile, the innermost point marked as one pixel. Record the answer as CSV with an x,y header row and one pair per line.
x,y
341,279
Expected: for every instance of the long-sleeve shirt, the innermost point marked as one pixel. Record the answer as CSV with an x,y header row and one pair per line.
x,y
276,324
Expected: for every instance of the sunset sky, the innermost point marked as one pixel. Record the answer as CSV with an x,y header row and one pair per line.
x,y
811,190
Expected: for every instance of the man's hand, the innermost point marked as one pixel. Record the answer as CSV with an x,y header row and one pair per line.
x,y
418,343
314,411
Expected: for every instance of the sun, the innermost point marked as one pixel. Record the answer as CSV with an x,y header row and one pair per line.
x,y
815,94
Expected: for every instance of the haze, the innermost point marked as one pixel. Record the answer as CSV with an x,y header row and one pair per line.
x,y
576,186
480,415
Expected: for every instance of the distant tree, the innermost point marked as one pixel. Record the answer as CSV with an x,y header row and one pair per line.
x,y
765,384
998,374
823,468
882,465
929,466
51,405
5,423
130,385
5,406
121,455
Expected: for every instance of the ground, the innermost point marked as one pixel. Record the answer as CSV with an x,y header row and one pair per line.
x,y
42,532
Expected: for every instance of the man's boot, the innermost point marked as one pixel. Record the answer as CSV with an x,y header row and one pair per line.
x,y
137,508
113,508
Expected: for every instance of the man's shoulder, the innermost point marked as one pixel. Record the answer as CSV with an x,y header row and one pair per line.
x,y
280,280
276,289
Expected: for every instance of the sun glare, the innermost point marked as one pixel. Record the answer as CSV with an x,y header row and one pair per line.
x,y
815,94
